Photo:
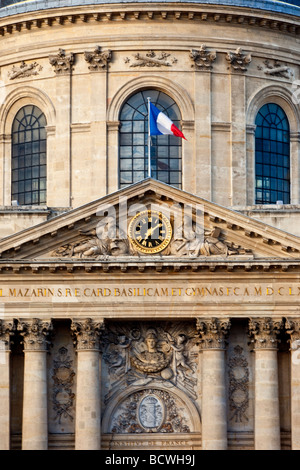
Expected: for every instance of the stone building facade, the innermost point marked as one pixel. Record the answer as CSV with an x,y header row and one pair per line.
x,y
149,309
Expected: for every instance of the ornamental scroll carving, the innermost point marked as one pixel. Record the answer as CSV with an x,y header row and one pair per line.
x,y
140,355
149,411
238,385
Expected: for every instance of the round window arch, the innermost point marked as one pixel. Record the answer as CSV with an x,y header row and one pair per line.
x,y
29,156
272,155
166,150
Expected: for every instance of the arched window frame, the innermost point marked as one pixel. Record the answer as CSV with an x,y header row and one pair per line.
x,y
282,96
272,155
16,99
180,95
29,157
166,150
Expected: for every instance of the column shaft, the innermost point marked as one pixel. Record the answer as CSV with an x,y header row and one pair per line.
x,y
214,398
267,421
35,416
266,414
35,412
88,397
4,400
88,418
214,410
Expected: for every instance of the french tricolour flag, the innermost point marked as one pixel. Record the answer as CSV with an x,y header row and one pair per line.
x,y
161,124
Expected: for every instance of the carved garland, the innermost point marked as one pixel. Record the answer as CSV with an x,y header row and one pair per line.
x,y
63,378
238,385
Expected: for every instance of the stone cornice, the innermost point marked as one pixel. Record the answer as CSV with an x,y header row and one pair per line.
x,y
147,265
240,16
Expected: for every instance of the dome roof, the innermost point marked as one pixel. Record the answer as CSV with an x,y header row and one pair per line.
x,y
11,7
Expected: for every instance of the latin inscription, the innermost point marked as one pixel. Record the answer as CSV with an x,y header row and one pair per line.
x,y
189,292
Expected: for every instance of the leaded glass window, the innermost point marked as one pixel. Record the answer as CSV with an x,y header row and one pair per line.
x,y
272,156
29,156
133,143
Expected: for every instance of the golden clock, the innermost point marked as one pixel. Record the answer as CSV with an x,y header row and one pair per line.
x,y
150,231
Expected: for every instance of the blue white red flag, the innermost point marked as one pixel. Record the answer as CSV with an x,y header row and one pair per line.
x,y
160,124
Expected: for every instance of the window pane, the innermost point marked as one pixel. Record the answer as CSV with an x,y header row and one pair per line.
x,y
133,139
28,140
272,155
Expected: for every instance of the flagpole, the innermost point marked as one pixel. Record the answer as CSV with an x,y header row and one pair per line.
x,y
149,140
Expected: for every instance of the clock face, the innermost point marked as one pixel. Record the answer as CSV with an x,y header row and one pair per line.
x,y
150,231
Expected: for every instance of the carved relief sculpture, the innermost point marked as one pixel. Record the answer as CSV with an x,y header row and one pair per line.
x,y
108,240
238,60
238,385
105,240
24,70
202,58
276,70
62,62
97,59
141,355
149,411
151,59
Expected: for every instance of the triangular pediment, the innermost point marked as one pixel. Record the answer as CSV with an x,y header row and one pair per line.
x,y
85,233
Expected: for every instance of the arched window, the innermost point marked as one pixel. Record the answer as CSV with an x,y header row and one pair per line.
x,y
133,145
29,156
272,156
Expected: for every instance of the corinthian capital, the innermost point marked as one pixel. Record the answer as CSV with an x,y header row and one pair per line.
x,y
87,333
264,332
7,328
292,326
213,332
36,334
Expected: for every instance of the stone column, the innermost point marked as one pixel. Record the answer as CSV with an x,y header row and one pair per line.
x,y
6,330
214,400
293,329
266,407
88,412
35,413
